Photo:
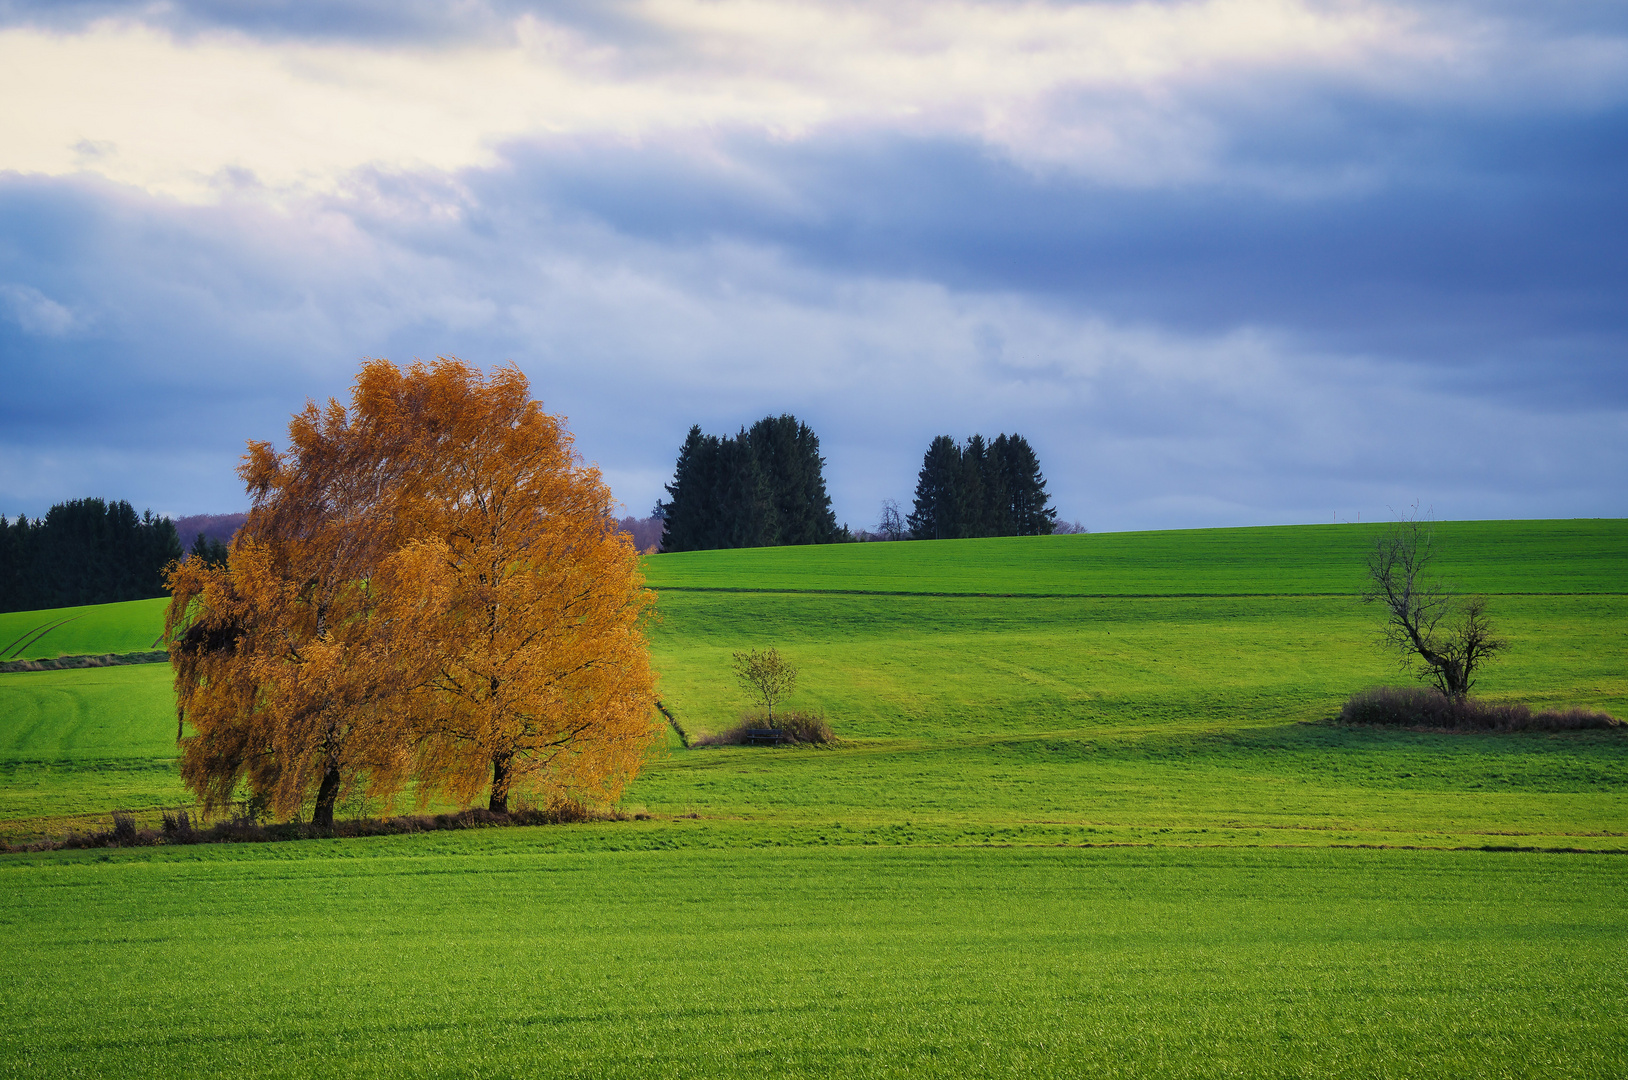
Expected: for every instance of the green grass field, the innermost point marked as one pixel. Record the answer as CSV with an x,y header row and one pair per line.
x,y
78,744
551,953
133,626
1089,819
1583,556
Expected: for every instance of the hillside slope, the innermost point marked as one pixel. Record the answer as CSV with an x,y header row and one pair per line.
x,y
1580,556
1176,716
132,626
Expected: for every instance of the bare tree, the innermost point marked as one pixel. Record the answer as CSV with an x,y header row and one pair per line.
x,y
892,526
766,675
1443,637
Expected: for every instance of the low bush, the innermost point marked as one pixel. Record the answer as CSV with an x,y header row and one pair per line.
x,y
124,829
178,829
794,727
1427,707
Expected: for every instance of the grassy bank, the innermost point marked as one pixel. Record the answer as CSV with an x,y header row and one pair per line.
x,y
1581,556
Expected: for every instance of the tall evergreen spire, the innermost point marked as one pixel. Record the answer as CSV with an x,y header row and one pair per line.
x,y
936,515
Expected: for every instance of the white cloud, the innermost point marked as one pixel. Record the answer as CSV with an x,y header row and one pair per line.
x,y
338,224
1117,90
34,312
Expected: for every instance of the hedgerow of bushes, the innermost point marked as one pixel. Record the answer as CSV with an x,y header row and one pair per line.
x,y
178,828
1427,707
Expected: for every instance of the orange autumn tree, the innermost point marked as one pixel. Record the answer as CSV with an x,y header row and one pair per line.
x,y
427,588
288,660
542,684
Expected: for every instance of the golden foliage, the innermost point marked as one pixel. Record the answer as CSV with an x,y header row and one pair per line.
x,y
429,586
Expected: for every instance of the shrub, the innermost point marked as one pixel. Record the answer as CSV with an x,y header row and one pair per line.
x,y
794,727
241,829
178,828
1427,707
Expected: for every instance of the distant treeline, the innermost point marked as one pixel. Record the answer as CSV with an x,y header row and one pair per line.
x,y
760,488
981,489
84,552
645,532
766,486
217,527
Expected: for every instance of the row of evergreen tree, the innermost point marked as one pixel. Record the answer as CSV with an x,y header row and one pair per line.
x,y
762,487
766,486
980,489
84,552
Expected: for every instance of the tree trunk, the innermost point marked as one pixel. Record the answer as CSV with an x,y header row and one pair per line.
x,y
1453,675
323,816
501,775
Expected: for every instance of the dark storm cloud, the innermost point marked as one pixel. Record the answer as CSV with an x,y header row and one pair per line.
x,y
1180,357
1497,245
1350,299
141,342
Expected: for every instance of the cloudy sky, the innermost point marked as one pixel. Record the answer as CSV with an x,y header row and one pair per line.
x,y
1223,262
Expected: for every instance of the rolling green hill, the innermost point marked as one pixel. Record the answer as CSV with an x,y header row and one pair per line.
x,y
1088,819
972,714
1582,556
133,626
85,742
1585,556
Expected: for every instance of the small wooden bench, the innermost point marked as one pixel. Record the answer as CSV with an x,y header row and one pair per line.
x,y
764,736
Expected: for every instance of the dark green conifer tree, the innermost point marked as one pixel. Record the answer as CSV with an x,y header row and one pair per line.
x,y
997,490
936,515
984,489
13,544
745,499
210,550
690,514
972,512
788,453
86,551
759,487
1031,513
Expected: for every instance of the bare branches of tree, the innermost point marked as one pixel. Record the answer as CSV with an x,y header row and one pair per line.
x,y
1442,637
892,526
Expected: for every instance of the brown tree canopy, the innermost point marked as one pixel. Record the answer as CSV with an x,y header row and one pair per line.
x,y
430,586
